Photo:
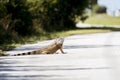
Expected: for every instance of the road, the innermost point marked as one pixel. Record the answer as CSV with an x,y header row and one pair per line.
x,y
84,25
88,57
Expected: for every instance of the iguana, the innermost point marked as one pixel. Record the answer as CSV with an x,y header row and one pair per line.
x,y
51,49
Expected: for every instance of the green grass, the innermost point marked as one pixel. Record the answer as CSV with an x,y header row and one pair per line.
x,y
103,19
80,31
53,35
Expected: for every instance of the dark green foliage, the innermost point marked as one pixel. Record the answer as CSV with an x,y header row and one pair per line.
x,y
4,36
83,18
92,3
99,9
23,18
15,20
61,15
2,10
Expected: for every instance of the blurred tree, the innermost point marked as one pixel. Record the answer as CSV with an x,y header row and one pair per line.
x,y
21,18
60,14
83,18
18,16
4,21
92,3
15,19
99,9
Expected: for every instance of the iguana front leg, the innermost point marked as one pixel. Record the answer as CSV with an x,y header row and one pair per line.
x,y
62,50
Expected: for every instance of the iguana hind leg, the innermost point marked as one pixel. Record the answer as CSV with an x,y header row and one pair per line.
x,y
46,52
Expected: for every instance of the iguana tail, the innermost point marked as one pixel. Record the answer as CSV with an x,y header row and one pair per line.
x,y
27,53
20,54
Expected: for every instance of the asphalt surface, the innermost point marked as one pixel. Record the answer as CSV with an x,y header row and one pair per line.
x,y
88,57
84,25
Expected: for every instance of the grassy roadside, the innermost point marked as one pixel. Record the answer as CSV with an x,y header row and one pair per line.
x,y
103,19
47,36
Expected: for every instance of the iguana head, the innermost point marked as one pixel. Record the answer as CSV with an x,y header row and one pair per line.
x,y
59,40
